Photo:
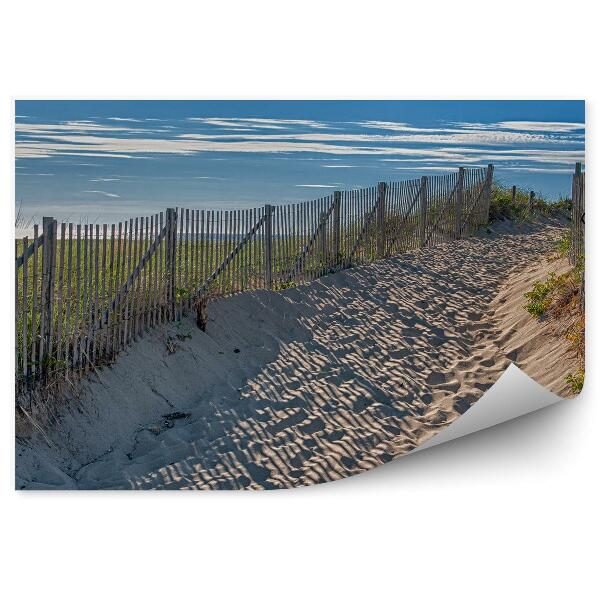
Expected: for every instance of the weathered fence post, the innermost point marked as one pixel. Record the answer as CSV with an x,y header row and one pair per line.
x,y
489,179
381,189
514,194
577,227
268,246
323,239
531,199
47,290
170,255
423,211
458,207
577,215
337,200
577,197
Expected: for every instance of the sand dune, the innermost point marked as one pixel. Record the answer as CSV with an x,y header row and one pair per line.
x,y
533,345
311,384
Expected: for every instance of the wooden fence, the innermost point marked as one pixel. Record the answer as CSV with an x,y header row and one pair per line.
x,y
85,292
578,216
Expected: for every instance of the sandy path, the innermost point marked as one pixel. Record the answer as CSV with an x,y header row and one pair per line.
x,y
310,385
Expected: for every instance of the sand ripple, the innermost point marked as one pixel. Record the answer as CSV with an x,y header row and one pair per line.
x,y
310,385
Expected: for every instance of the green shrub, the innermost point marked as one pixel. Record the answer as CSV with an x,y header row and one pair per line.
x,y
575,380
540,297
503,206
563,204
561,299
563,245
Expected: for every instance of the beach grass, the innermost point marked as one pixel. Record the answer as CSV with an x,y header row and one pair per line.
x,y
520,207
560,299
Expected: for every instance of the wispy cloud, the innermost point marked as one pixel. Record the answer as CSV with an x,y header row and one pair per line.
x,y
434,167
478,155
405,127
101,192
540,169
544,126
125,119
256,123
105,179
115,147
509,142
315,185
483,137
42,129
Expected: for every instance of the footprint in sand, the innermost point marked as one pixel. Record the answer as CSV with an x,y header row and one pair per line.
x,y
258,473
435,378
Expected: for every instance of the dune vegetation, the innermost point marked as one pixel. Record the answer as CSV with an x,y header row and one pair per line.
x,y
560,300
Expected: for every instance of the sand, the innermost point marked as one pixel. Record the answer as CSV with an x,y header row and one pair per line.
x,y
311,384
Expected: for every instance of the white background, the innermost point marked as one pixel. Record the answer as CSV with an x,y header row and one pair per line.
x,y
508,513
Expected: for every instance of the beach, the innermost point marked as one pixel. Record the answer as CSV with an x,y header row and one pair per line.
x,y
310,384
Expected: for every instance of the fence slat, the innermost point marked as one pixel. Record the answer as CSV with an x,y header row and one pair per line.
x,y
268,245
192,242
116,320
84,329
78,299
423,211
34,300
102,336
24,312
150,279
161,297
48,276
489,179
122,314
458,207
136,284
186,273
171,224
147,279
60,294
381,192
96,307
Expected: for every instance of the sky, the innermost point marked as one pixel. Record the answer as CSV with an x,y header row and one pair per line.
x,y
104,161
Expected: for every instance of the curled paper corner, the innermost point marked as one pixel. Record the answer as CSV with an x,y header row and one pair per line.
x,y
513,395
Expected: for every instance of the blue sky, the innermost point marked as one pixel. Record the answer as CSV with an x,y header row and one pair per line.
x,y
106,160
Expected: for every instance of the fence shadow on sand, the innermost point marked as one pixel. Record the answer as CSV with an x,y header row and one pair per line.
x,y
324,380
